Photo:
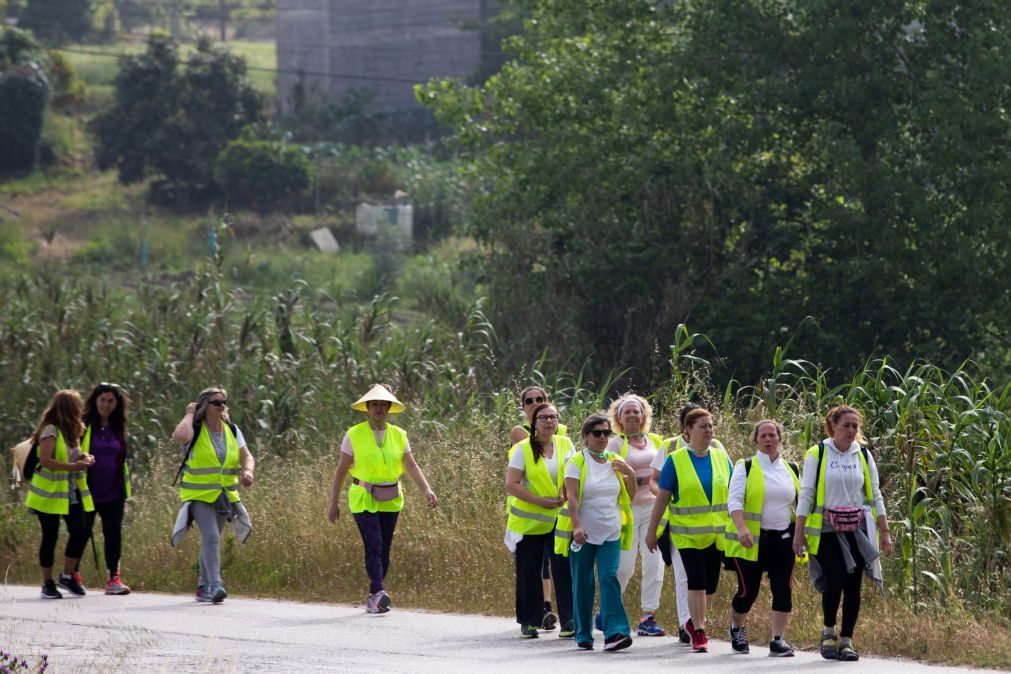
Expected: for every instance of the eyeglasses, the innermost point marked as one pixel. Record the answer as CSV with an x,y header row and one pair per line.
x,y
601,432
217,403
531,401
547,417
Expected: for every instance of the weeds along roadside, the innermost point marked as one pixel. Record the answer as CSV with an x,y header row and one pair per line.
x,y
293,360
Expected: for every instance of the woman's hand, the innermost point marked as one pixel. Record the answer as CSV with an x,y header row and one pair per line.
x,y
246,478
191,408
85,462
579,535
799,543
433,500
622,468
885,539
334,512
545,502
746,539
651,540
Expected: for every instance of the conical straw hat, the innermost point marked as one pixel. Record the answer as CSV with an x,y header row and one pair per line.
x,y
379,392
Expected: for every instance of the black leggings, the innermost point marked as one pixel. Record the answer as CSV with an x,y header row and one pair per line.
x,y
51,532
702,567
775,557
838,583
112,531
530,554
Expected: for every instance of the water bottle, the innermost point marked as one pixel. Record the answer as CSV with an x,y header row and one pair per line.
x,y
575,547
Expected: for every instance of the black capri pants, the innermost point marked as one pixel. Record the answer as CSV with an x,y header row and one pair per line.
x,y
775,558
702,567
51,532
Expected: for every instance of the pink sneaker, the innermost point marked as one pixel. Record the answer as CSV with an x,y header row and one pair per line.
x,y
372,603
115,585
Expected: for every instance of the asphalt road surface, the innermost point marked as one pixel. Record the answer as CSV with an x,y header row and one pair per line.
x,y
170,633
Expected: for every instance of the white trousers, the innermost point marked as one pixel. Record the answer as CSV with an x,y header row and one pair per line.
x,y
680,586
652,563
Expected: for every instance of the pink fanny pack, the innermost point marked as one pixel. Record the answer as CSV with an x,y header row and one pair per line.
x,y
844,518
380,492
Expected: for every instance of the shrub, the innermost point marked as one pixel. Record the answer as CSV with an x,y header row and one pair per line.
x,y
260,173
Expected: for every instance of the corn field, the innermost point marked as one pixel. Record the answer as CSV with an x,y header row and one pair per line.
x,y
294,360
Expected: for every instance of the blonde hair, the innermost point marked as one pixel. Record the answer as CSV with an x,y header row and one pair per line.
x,y
758,424
832,418
644,406
203,399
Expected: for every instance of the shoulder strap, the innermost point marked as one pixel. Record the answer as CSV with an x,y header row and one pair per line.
x,y
189,450
817,473
795,467
747,466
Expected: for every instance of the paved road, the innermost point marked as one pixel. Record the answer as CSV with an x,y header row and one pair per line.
x,y
169,633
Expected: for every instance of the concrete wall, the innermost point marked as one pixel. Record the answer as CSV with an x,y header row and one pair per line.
x,y
384,46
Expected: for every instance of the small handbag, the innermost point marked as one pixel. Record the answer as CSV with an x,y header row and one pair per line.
x,y
844,518
380,492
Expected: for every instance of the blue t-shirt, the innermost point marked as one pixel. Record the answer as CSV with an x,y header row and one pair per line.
x,y
703,468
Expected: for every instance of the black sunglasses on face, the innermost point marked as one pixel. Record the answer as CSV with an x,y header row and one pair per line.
x,y
601,433
217,403
531,401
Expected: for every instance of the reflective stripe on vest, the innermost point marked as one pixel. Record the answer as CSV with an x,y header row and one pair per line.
x,y
814,522
563,528
754,500
86,448
49,490
706,521
204,476
528,518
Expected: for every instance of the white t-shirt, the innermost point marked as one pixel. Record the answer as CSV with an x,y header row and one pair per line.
x,y
661,456
518,460
599,511
844,480
780,491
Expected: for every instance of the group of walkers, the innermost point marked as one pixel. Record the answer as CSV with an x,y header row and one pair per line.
x,y
626,494
623,495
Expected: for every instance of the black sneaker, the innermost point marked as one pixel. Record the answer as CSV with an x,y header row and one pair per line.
x,y
49,591
684,637
739,639
568,630
778,648
528,632
616,642
70,585
550,621
586,645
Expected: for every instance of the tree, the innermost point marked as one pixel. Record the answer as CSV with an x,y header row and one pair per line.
x,y
58,20
260,173
171,123
743,164
24,92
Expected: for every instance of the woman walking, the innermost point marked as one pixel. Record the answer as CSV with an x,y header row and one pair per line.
x,y
599,486
105,415
841,521
632,416
763,491
216,462
533,481
697,477
59,488
376,453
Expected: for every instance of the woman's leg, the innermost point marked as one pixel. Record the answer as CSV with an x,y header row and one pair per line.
x,y
47,546
583,591
851,592
529,591
830,558
612,610
695,570
680,587
112,532
779,566
652,564
387,525
749,582
562,576
207,519
370,528
78,528
713,566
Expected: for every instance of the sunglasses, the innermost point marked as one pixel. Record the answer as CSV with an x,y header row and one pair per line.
x,y
601,433
106,384
531,401
217,403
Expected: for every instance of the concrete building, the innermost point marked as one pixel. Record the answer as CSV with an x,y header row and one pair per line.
x,y
384,46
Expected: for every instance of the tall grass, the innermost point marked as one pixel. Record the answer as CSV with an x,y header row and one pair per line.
x,y
294,358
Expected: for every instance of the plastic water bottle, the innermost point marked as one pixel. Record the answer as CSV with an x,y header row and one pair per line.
x,y
575,547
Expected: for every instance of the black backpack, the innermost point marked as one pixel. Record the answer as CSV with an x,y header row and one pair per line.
x,y
189,448
31,463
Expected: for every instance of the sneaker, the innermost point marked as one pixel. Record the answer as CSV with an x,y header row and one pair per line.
x,y
372,603
70,585
585,645
201,593
598,622
683,636
689,630
568,630
779,648
550,621
649,628
700,644
49,591
846,652
115,585
217,593
739,639
79,580
528,632
616,642
829,646
383,601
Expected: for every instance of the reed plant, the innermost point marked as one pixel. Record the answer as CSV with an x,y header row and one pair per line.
x,y
294,359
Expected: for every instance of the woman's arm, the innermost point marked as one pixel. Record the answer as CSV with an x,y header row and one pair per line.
x,y
414,470
572,490
517,435
183,433
248,463
884,534
627,473
343,466
514,487
662,499
47,447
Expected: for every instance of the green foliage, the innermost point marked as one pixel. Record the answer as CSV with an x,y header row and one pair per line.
x,y
171,123
24,92
67,89
263,174
747,164
57,20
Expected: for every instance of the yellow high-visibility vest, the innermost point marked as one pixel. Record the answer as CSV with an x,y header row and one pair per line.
x,y
563,528
376,464
813,524
754,498
697,522
49,491
528,518
204,476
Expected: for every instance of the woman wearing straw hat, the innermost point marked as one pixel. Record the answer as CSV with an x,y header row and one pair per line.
x,y
376,453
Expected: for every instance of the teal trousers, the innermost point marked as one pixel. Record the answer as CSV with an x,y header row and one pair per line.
x,y
606,557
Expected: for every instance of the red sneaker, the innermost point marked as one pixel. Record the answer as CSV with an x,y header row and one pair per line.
x,y
115,585
700,643
78,579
